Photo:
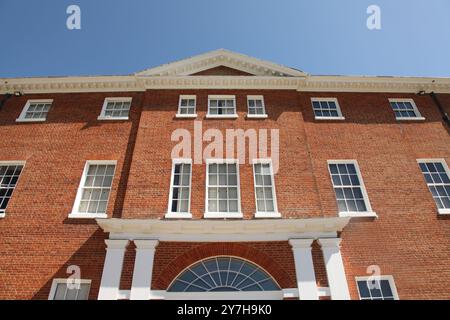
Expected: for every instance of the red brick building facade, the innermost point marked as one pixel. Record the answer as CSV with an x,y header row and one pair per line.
x,y
323,230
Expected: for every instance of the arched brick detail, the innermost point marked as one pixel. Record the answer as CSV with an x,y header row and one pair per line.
x,y
203,251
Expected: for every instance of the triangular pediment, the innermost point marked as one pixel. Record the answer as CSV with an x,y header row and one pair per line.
x,y
222,63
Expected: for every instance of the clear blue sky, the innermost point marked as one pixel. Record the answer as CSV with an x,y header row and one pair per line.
x,y
316,36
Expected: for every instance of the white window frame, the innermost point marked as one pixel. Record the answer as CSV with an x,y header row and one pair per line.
x,y
80,215
256,116
222,214
181,115
51,295
385,277
22,118
179,215
416,110
262,214
356,214
332,99
102,115
12,163
447,171
222,116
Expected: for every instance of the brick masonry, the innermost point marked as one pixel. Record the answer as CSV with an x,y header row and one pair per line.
x,y
408,240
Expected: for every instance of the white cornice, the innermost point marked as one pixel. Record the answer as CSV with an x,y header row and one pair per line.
x,y
221,230
305,84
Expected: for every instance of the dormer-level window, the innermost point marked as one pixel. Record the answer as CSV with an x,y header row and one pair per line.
x,y
326,109
117,108
405,109
187,107
256,108
222,107
35,110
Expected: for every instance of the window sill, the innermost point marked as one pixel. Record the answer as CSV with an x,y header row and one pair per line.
x,y
262,215
113,119
367,214
178,115
30,120
178,215
222,215
329,118
444,211
411,119
2,214
222,116
76,215
256,116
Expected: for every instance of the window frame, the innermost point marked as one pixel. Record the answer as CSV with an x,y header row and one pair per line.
x,y
222,116
12,163
447,171
256,116
179,215
413,104
182,115
237,214
102,115
75,214
56,281
390,278
22,118
263,214
327,99
369,212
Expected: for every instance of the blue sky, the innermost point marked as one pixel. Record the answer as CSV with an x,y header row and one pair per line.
x,y
319,37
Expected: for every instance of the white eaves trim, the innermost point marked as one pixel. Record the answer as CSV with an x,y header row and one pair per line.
x,y
222,57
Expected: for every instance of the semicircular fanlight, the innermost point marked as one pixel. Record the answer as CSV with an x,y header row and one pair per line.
x,y
223,274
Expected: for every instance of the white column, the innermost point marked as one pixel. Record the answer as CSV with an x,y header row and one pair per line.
x,y
112,269
143,269
304,269
335,268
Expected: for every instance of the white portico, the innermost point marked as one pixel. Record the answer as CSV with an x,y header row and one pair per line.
x,y
300,233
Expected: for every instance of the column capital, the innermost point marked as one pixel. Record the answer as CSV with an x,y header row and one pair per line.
x,y
301,243
146,244
116,244
330,242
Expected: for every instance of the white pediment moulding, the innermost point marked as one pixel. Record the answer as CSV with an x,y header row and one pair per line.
x,y
267,75
223,230
225,58
139,84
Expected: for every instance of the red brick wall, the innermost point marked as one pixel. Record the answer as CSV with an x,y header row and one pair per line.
x,y
37,240
408,240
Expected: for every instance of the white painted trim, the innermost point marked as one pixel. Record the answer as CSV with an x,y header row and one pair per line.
x,y
22,118
447,171
143,269
369,212
332,99
256,116
56,281
304,269
418,116
274,213
384,277
177,215
12,163
102,115
221,57
75,214
217,215
184,97
223,230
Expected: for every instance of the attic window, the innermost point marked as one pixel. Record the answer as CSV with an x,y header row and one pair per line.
x,y
222,107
